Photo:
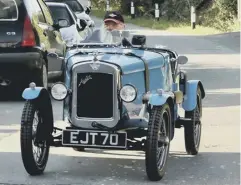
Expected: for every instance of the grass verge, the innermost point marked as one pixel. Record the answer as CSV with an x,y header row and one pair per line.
x,y
162,24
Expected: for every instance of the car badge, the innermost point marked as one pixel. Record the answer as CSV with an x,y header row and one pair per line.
x,y
95,53
85,80
11,33
112,15
95,66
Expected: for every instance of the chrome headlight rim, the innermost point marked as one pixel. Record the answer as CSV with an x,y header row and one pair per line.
x,y
134,88
59,99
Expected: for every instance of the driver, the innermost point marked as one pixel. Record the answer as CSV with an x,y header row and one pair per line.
x,y
113,20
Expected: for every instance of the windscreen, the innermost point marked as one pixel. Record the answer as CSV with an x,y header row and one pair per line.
x,y
8,10
102,35
75,6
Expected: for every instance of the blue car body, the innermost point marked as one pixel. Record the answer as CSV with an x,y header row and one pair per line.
x,y
133,64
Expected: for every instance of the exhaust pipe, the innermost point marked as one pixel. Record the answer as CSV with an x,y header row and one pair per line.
x,y
4,82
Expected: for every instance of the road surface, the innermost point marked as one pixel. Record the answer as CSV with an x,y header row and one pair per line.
x,y
212,59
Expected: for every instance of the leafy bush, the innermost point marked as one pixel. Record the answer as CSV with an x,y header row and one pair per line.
x,y
219,14
101,4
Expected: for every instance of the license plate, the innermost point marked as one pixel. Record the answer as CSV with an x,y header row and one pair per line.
x,y
95,138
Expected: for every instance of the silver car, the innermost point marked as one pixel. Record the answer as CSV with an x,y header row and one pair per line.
x,y
76,29
78,9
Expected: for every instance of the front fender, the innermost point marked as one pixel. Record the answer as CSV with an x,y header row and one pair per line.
x,y
190,98
31,94
157,100
42,101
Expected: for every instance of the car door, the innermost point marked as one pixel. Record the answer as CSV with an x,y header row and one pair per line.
x,y
56,43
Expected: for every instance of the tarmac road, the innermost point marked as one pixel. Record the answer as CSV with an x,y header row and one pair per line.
x,y
215,61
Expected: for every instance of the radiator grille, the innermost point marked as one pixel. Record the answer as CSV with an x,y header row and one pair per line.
x,y
95,95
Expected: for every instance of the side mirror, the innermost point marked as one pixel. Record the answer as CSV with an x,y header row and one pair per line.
x,y
182,59
139,40
63,23
82,24
87,10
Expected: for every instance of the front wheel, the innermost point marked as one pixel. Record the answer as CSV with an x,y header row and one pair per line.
x,y
192,132
34,153
158,142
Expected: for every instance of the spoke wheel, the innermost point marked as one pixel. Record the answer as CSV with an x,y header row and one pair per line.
x,y
193,131
158,142
34,153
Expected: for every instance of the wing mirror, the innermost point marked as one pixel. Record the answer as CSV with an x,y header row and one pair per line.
x,y
138,40
81,24
61,23
182,59
87,10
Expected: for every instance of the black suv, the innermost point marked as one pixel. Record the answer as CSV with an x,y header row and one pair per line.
x,y
31,46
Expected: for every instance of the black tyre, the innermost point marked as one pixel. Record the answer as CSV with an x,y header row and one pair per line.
x,y
158,142
33,165
192,132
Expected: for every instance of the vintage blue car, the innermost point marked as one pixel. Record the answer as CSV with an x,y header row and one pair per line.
x,y
115,96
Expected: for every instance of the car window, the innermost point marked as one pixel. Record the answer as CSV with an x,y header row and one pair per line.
x,y
46,12
75,6
59,12
8,10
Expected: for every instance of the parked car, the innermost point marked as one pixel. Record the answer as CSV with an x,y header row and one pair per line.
x,y
27,35
115,97
76,30
78,9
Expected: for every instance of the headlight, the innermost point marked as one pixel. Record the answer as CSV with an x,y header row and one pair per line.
x,y
59,91
128,93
